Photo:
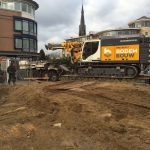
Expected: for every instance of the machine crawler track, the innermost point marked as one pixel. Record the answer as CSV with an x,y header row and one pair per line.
x,y
108,71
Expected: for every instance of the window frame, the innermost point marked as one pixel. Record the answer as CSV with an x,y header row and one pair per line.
x,y
146,33
4,3
33,46
147,23
15,6
23,27
31,42
35,28
23,4
29,6
28,44
31,23
15,25
12,5
24,23
19,38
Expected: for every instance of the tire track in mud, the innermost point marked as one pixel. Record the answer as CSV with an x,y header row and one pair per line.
x,y
119,108
121,102
90,97
117,128
65,86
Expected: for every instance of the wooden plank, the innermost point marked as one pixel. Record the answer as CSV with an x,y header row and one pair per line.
x,y
44,78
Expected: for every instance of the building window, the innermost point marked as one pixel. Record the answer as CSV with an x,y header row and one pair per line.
x,y
147,23
112,33
18,25
33,11
35,45
146,33
143,24
31,45
35,29
4,5
24,7
25,26
17,6
10,5
29,9
119,32
132,25
18,43
126,32
136,25
31,27
139,24
26,44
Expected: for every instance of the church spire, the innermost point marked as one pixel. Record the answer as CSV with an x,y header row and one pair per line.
x,y
82,27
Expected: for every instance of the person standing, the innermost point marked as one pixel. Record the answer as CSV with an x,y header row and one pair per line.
x,y
12,72
2,79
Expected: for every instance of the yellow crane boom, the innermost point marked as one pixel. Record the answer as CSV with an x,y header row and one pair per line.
x,y
73,47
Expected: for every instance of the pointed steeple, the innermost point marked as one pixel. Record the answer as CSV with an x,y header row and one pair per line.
x,y
82,27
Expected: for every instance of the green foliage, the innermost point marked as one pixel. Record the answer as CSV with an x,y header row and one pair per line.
x,y
54,57
42,55
66,61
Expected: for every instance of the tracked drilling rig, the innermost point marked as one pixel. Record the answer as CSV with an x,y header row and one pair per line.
x,y
114,57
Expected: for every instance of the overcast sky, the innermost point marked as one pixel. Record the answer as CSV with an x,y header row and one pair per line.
x,y
60,19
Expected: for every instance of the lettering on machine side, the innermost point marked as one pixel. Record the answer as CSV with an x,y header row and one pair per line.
x,y
118,51
126,52
125,55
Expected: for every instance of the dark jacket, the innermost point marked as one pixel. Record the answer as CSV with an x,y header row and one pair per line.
x,y
11,69
1,73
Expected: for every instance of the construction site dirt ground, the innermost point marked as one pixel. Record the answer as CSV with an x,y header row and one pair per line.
x,y
75,115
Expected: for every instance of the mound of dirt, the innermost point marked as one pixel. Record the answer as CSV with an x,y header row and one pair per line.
x,y
75,115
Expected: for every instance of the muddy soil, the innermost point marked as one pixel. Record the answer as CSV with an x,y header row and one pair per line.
x,y
75,115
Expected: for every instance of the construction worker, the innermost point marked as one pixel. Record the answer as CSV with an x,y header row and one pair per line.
x,y
11,71
2,79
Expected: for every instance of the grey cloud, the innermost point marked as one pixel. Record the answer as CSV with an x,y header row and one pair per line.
x,y
56,12
59,19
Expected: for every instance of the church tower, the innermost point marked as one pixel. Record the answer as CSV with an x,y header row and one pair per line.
x,y
82,27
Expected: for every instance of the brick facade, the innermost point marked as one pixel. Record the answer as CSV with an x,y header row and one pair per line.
x,y
7,30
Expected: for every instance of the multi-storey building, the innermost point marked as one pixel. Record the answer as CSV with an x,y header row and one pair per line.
x,y
18,28
139,26
143,24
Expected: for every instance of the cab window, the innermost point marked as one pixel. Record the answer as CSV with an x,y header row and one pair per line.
x,y
89,49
